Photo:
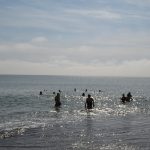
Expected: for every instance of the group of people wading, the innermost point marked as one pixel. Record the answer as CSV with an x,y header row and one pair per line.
x,y
127,98
89,103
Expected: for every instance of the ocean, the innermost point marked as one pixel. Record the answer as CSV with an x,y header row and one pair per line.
x,y
29,121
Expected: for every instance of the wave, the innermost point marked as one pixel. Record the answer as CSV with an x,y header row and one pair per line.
x,y
11,129
10,133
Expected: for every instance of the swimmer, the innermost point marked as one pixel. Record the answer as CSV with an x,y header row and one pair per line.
x,y
83,94
40,93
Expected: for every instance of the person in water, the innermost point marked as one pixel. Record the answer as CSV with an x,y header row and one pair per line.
x,y
57,100
89,104
123,98
126,99
129,97
83,94
40,93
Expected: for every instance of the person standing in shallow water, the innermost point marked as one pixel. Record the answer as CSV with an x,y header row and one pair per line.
x,y
123,98
89,104
129,97
57,100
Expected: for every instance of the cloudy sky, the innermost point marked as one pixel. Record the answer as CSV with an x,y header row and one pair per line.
x,y
75,37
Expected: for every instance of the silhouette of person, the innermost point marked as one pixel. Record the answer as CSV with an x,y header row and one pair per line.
x,y
123,98
83,94
57,100
89,104
75,89
129,97
40,93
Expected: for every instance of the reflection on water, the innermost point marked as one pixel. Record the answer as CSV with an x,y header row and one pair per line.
x,y
89,128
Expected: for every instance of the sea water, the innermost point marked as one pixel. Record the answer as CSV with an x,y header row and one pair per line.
x,y
30,121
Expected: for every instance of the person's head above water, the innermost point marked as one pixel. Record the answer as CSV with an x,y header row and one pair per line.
x,y
89,95
123,95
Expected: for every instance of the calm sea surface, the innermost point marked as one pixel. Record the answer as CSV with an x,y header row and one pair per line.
x,y
30,121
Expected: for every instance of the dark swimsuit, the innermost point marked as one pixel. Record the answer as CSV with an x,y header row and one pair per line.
x,y
89,103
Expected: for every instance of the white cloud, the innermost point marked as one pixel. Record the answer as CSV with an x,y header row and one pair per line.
x,y
129,68
138,2
40,49
100,14
40,56
39,40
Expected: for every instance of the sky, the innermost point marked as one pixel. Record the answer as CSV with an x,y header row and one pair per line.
x,y
75,37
